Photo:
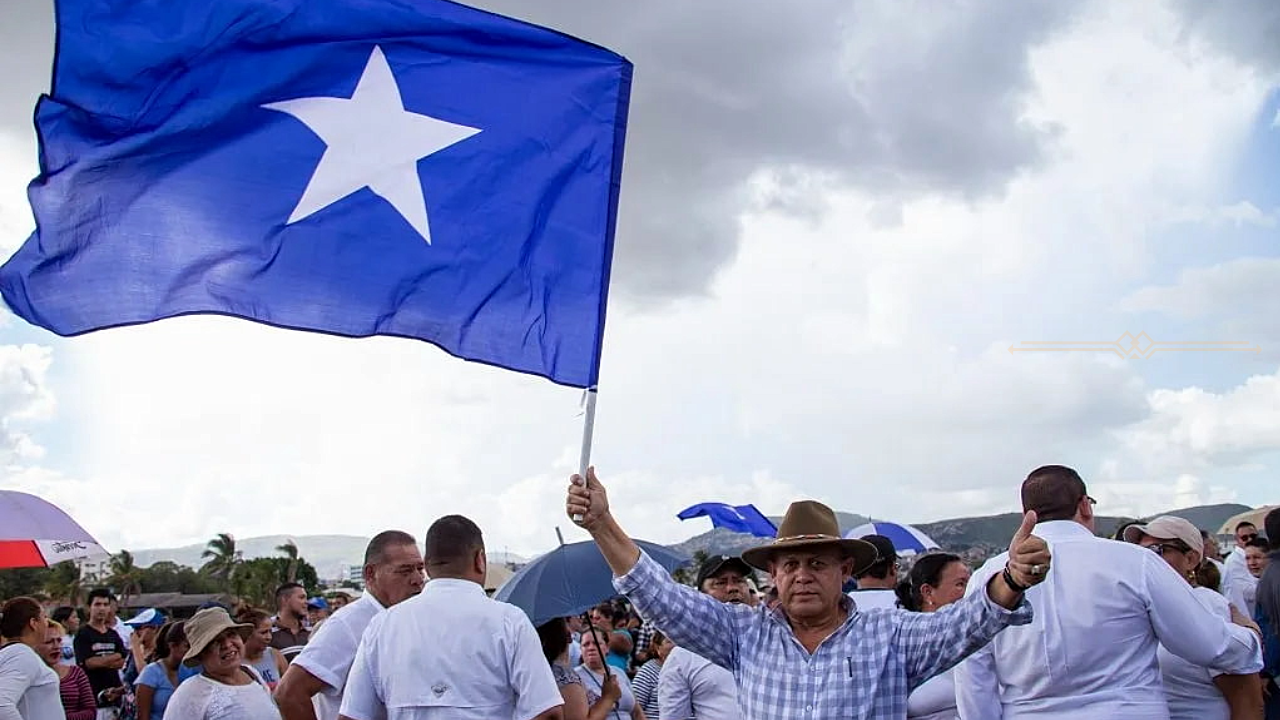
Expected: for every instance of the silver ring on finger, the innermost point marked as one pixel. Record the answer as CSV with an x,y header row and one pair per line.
x,y
1037,570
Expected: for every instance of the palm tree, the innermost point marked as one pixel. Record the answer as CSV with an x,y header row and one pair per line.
x,y
290,550
64,583
125,576
223,558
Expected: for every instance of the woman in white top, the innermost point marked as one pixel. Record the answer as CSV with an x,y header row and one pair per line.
x,y
592,672
936,580
226,688
1195,692
28,687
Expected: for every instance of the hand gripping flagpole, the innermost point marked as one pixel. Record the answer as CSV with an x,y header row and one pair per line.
x,y
588,428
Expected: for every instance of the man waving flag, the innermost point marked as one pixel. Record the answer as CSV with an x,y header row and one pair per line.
x,y
358,167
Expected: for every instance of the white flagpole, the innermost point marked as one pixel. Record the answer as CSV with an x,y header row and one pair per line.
x,y
588,428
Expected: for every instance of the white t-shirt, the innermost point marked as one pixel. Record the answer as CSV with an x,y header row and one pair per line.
x,y
450,653
28,687
203,698
935,699
1189,688
330,652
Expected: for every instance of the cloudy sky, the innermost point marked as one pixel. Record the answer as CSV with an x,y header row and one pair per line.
x,y
837,218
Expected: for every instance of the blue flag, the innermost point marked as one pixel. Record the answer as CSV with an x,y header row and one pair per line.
x,y
738,518
358,167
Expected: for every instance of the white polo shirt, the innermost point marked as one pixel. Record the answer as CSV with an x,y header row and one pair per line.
x,y
451,652
329,653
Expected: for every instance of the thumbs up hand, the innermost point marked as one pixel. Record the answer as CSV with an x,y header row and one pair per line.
x,y
1028,555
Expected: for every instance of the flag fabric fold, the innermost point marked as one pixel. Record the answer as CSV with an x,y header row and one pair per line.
x,y
738,518
354,167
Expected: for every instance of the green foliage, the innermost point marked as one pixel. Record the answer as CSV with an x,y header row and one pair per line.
x,y
23,581
256,580
64,584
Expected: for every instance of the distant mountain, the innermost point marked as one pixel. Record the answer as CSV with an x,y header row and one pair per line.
x,y
329,554
974,538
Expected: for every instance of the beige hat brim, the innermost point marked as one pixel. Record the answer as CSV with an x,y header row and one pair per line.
x,y
197,648
864,554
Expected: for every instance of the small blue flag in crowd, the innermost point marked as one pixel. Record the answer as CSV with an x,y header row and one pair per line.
x,y
356,167
738,518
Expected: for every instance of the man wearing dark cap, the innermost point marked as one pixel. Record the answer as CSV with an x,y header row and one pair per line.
x,y
877,585
812,655
1090,651
689,684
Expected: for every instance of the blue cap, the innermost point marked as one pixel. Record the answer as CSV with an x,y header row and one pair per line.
x,y
318,603
150,617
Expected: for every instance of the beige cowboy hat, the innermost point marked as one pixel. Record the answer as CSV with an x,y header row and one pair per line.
x,y
204,627
809,524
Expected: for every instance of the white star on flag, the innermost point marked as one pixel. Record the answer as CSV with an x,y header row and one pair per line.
x,y
371,141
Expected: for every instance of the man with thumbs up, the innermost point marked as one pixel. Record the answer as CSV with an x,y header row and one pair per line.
x,y
814,654
1090,652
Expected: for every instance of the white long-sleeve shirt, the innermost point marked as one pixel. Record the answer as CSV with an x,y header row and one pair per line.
x,y
1090,650
691,686
28,687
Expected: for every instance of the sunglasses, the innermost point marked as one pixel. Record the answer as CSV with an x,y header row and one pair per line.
x,y
1248,538
1159,548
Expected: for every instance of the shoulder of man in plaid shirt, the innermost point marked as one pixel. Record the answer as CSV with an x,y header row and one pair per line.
x,y
864,670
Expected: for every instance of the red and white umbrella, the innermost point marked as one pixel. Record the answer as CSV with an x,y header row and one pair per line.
x,y
37,533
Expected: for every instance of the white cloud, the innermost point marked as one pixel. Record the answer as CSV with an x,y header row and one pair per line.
x,y
24,396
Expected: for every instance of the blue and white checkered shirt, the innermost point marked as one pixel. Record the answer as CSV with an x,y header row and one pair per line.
x,y
864,670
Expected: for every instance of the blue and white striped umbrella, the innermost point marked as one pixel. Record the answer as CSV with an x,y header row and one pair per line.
x,y
906,539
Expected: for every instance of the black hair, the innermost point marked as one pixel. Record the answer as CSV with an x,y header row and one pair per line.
x,y
1053,491
100,592
375,552
17,614
926,571
62,613
1245,524
285,589
554,636
452,541
161,650
1259,542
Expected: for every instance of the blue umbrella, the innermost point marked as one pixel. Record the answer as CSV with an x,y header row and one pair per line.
x,y
571,579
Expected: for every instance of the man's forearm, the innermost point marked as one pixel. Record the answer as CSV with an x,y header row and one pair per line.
x,y
619,551
295,708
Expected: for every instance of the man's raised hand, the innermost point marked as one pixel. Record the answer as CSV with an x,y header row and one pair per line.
x,y
587,502
1028,555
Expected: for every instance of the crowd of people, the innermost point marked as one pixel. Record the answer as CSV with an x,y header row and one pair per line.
x,y
1150,623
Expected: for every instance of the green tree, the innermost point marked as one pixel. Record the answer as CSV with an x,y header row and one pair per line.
x,y
688,573
64,583
257,579
125,577
290,550
223,559
23,581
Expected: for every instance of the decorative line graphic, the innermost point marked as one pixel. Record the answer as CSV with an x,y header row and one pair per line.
x,y
1134,346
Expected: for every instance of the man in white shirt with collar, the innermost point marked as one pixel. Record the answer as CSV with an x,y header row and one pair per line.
x,y
689,685
452,652
312,687
1245,533
1090,650
877,585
